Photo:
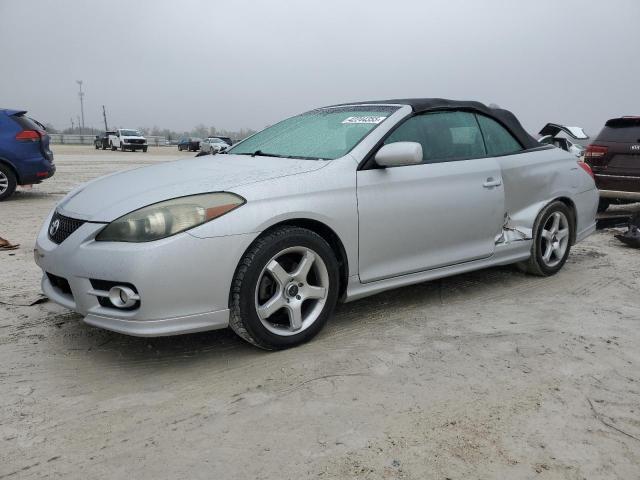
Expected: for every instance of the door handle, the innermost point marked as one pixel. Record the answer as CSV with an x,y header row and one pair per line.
x,y
492,182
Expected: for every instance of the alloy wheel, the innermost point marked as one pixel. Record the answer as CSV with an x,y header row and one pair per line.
x,y
555,238
291,291
4,183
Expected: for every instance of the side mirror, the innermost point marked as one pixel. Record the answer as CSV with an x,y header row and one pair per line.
x,y
399,154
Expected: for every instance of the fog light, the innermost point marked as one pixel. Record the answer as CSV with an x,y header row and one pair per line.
x,y
123,297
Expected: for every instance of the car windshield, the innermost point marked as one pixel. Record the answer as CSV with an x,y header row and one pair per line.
x,y
130,133
322,134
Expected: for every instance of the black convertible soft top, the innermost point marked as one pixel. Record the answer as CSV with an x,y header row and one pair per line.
x,y
505,117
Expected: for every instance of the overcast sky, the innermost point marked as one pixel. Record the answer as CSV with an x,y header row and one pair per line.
x,y
233,64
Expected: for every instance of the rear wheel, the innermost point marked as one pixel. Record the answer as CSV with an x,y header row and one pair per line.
x,y
284,289
144,149
7,182
552,234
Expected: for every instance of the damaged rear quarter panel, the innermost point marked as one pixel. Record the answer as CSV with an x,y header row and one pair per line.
x,y
533,179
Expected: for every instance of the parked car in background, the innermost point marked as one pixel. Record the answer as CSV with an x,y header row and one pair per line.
x,y
25,156
337,203
191,144
127,139
102,141
214,145
614,157
226,140
554,134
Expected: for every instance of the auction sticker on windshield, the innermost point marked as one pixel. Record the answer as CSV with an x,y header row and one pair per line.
x,y
374,120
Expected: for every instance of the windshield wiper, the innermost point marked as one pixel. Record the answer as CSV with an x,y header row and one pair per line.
x,y
260,153
264,154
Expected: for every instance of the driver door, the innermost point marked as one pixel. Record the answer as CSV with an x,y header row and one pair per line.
x,y
445,211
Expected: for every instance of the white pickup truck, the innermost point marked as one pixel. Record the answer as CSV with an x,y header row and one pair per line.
x,y
127,139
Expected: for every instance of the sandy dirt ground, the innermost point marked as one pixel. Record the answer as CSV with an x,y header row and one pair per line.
x,y
492,374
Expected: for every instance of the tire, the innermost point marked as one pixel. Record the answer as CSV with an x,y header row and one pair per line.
x,y
104,147
8,182
546,235
96,145
603,204
144,149
254,286
113,149
179,148
122,147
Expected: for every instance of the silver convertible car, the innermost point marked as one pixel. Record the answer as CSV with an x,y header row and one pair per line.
x,y
333,204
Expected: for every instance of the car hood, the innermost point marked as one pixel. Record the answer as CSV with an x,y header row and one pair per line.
x,y
110,197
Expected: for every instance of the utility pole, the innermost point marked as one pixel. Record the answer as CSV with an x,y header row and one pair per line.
x,y
81,95
104,115
72,125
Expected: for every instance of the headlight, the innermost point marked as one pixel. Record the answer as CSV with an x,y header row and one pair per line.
x,y
167,218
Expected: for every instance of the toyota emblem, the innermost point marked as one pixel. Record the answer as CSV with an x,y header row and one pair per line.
x,y
53,228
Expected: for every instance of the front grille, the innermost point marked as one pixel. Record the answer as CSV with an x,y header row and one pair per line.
x,y
61,227
135,141
59,283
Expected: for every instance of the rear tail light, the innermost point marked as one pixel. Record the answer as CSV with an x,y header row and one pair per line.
x,y
587,169
30,135
595,151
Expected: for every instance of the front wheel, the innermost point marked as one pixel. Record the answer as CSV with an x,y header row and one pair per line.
x,y
113,148
552,234
122,147
144,149
284,289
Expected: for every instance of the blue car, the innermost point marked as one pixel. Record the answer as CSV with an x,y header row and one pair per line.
x,y
25,157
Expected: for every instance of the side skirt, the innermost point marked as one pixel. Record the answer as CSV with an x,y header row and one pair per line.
x,y
504,254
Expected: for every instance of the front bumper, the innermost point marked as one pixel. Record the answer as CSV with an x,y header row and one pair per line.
x,y
183,281
135,146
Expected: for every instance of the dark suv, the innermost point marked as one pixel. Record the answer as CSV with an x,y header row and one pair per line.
x,y
614,157
190,144
103,141
25,157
